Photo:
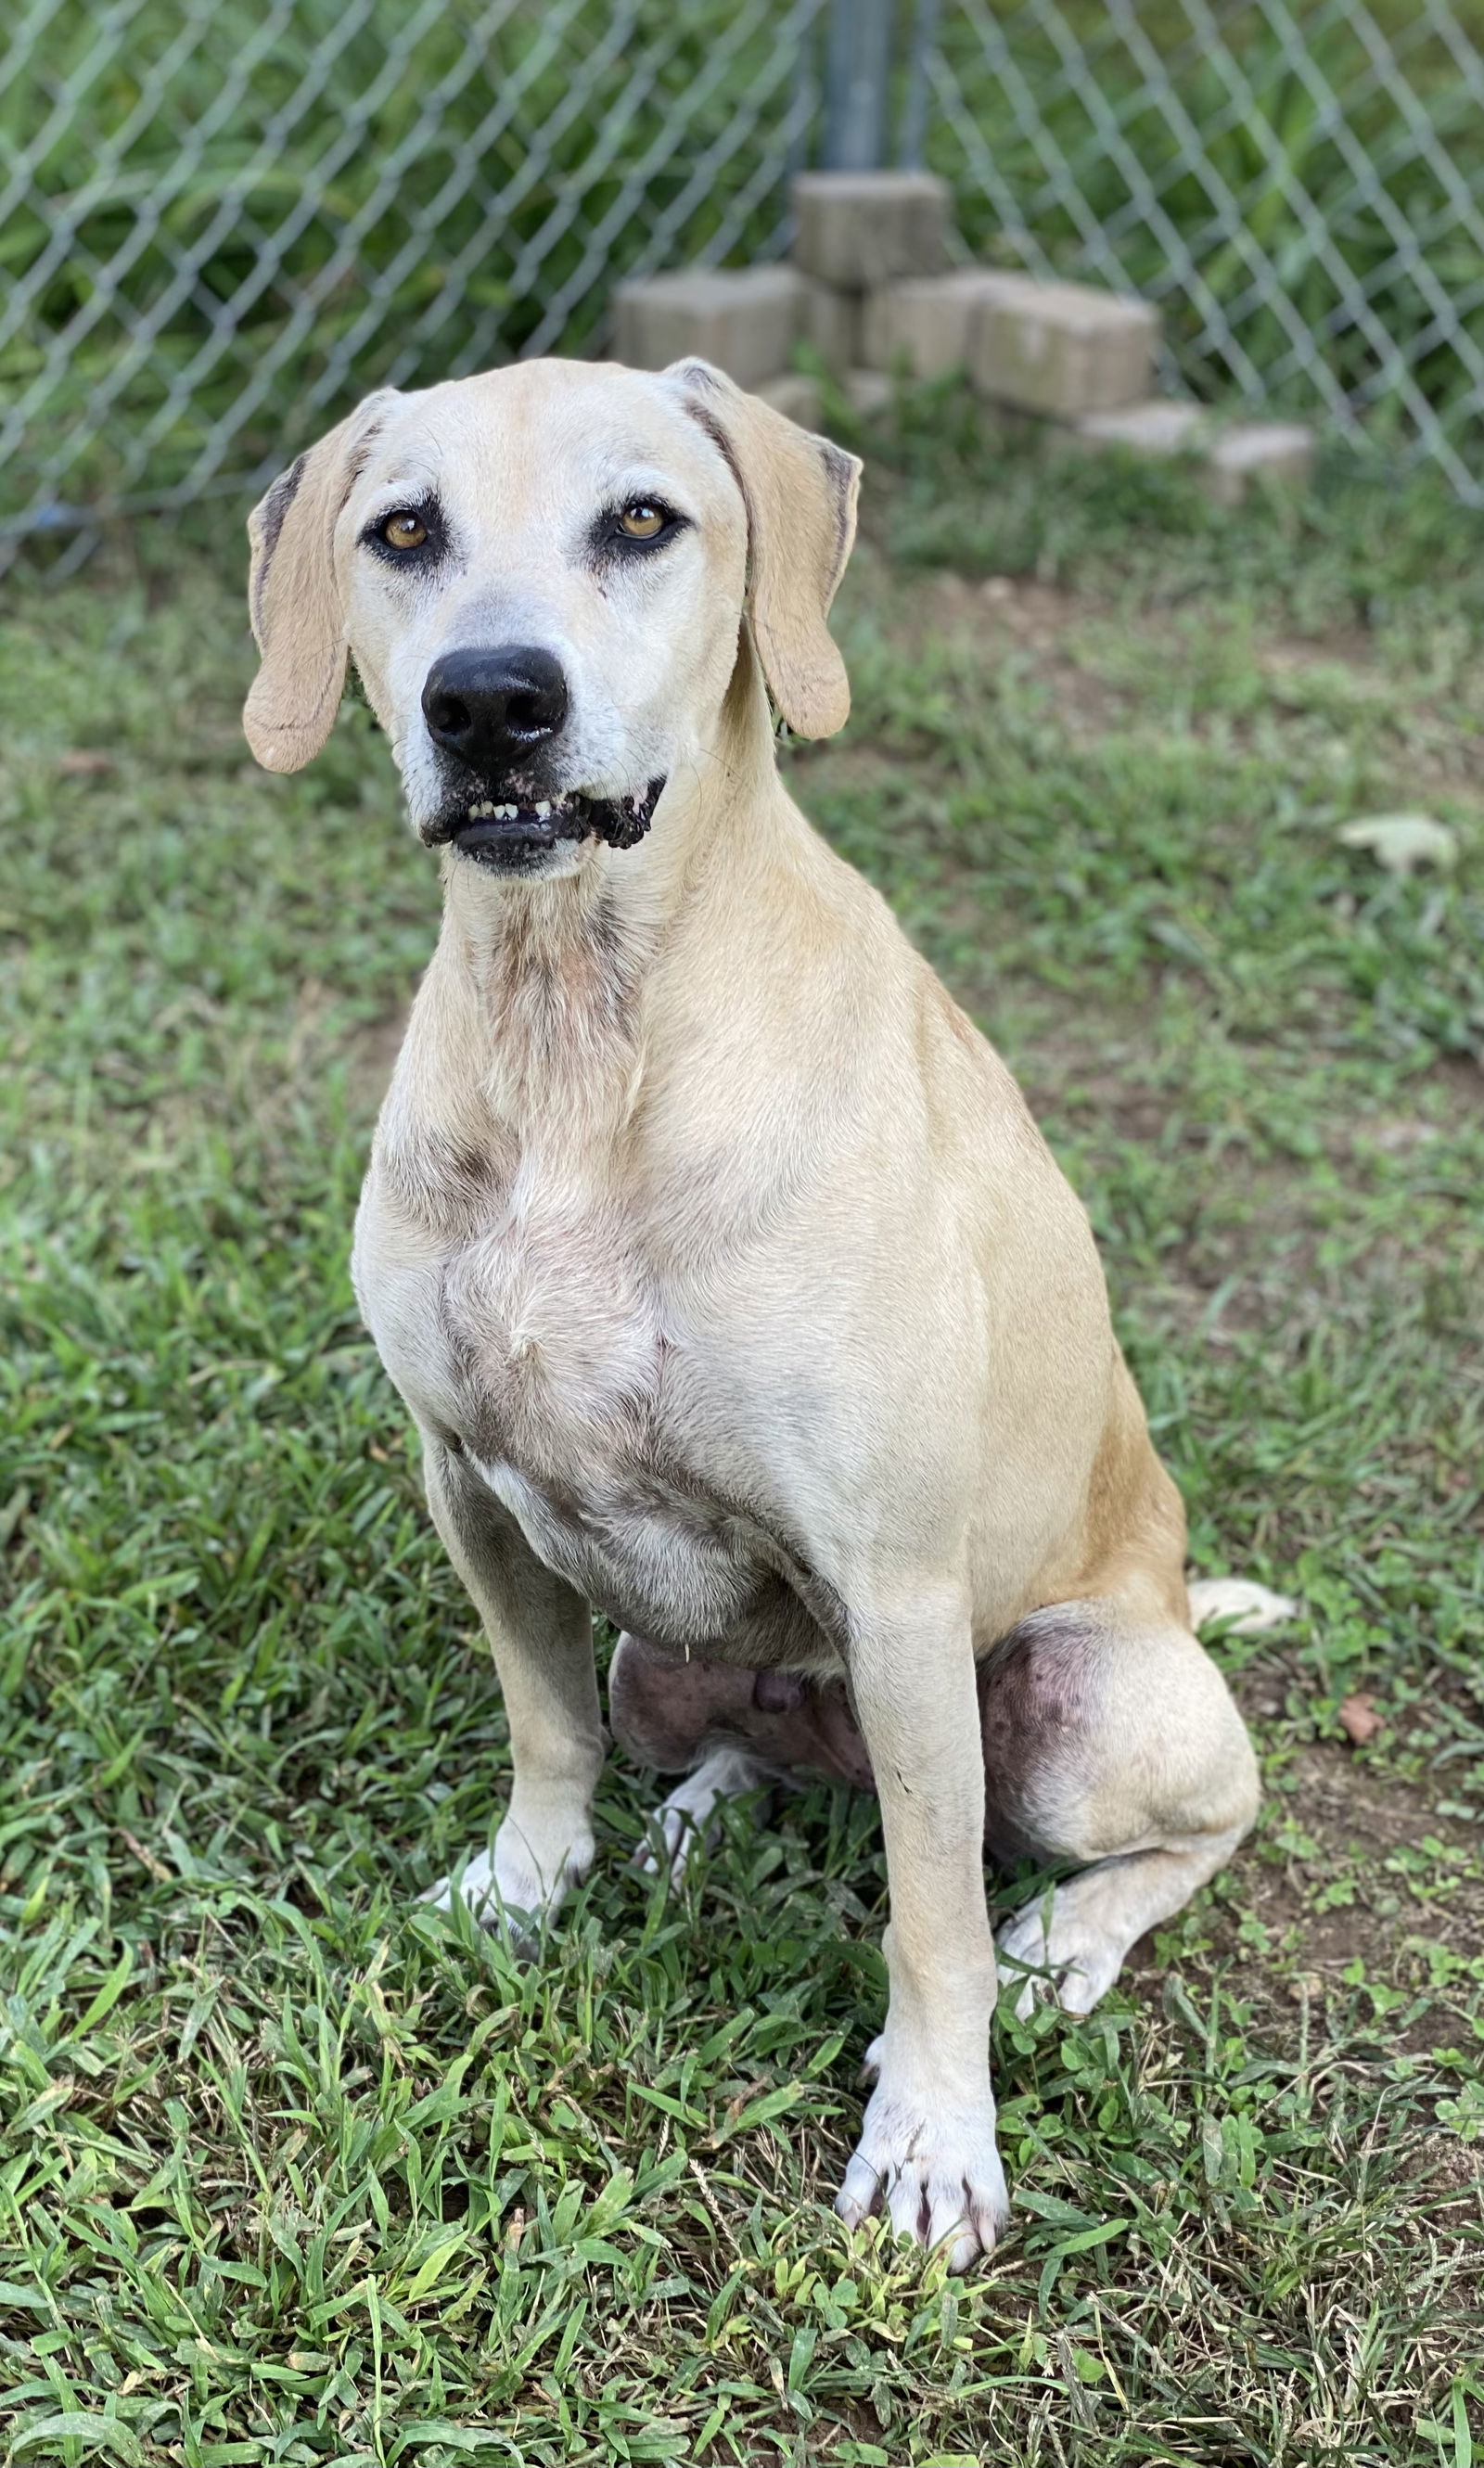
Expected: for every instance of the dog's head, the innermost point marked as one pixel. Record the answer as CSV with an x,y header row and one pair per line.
x,y
542,575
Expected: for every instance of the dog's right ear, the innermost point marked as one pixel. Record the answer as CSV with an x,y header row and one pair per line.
x,y
294,597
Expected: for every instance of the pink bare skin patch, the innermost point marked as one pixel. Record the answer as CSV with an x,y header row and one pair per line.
x,y
1036,1694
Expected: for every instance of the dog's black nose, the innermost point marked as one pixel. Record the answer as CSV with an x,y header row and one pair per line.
x,y
493,708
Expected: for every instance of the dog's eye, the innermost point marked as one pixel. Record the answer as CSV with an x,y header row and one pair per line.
x,y
642,521
404,530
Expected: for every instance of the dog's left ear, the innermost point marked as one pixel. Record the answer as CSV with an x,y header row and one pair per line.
x,y
800,494
294,597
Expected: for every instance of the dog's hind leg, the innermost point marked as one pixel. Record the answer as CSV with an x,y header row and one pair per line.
x,y
1110,1738
667,1711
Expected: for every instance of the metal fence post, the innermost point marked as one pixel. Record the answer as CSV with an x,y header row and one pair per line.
x,y
912,135
857,71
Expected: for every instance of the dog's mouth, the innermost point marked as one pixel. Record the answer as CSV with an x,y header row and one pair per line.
x,y
511,834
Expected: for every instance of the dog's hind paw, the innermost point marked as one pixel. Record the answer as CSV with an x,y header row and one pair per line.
x,y
686,1818
1071,1957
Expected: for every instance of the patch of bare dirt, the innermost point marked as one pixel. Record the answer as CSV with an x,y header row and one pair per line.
x,y
1448,2163
1462,1077
1016,618
1331,1875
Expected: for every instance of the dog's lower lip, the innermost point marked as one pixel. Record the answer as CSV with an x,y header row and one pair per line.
x,y
491,819
492,829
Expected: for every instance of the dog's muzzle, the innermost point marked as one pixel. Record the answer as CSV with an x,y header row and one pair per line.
x,y
497,714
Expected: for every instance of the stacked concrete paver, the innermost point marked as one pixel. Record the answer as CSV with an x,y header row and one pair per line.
x,y
872,291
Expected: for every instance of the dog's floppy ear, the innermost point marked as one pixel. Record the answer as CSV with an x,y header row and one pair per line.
x,y
800,494
294,598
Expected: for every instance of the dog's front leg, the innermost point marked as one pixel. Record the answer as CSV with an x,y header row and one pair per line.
x,y
541,1635
927,2148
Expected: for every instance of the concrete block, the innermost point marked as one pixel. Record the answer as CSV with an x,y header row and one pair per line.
x,y
1230,458
858,229
831,323
747,319
869,392
796,396
1061,348
926,322
1258,450
1152,429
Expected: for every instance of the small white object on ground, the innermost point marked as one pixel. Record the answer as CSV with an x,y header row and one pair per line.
x,y
1258,450
1403,842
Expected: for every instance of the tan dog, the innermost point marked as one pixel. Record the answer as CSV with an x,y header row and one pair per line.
x,y
729,1280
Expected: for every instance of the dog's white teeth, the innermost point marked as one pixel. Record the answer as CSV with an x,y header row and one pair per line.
x,y
507,814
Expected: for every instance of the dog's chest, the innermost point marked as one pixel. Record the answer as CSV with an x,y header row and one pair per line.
x,y
544,1348
554,1339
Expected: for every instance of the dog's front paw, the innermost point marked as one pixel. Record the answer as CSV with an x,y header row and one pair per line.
x,y
524,1882
934,2167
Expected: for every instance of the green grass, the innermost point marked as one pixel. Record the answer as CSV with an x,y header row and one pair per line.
x,y
292,2169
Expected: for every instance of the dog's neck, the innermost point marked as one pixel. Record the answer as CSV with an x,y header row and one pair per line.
x,y
558,974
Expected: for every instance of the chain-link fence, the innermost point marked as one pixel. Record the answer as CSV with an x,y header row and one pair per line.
x,y
222,219
1300,189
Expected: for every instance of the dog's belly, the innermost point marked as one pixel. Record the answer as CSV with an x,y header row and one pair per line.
x,y
665,1560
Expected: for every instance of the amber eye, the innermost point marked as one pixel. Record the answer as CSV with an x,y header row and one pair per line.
x,y
403,531
641,522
